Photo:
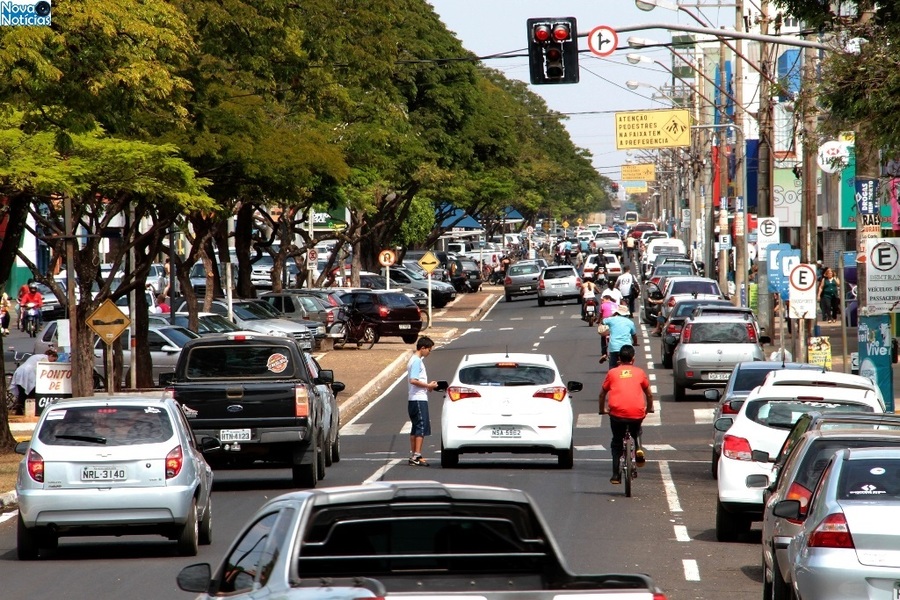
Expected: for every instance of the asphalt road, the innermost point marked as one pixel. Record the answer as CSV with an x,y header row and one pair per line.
x,y
665,530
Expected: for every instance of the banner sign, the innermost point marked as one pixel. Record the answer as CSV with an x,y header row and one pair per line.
x,y
819,352
874,337
53,380
641,129
639,172
883,276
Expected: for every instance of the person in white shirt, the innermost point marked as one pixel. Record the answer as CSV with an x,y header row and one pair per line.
x,y
615,294
628,287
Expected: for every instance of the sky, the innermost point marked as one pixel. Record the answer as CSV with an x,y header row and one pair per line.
x,y
489,27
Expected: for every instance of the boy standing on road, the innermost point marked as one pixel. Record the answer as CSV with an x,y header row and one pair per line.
x,y
417,406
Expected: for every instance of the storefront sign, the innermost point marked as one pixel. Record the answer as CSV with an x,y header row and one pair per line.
x,y
874,336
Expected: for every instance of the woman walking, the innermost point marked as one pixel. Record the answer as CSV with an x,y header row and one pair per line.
x,y
828,295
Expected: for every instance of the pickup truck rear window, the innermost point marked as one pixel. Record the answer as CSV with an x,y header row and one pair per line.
x,y
240,361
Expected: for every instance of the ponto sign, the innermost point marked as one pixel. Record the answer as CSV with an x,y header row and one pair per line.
x,y
803,292
883,276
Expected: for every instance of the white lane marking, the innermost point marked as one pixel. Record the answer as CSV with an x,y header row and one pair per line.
x,y
380,472
587,420
651,376
704,415
591,447
470,330
658,447
517,318
549,329
691,570
535,345
507,329
355,429
681,534
653,389
548,318
669,487
407,427
653,419
7,516
648,447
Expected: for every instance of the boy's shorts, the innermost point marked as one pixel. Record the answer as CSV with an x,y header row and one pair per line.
x,y
418,415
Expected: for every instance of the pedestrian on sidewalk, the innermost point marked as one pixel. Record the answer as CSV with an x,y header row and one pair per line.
x,y
828,295
417,406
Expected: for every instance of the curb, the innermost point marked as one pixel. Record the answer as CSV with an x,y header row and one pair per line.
x,y
9,500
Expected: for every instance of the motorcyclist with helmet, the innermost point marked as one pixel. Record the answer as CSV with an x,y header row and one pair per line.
x,y
32,296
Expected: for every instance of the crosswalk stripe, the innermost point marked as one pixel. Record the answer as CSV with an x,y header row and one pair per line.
x,y
355,429
407,427
647,447
586,420
704,415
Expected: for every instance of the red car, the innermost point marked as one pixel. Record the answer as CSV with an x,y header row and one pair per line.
x,y
639,229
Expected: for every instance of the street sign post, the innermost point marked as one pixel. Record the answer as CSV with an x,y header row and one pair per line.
x,y
767,233
108,322
386,258
603,40
802,279
429,262
883,275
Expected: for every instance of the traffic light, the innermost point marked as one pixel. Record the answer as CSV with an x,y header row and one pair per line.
x,y
553,50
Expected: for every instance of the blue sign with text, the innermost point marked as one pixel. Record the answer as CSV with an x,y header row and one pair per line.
x,y
782,258
874,336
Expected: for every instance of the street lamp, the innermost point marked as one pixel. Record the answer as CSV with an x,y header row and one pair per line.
x,y
648,5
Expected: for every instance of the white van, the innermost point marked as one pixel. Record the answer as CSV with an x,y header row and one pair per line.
x,y
658,245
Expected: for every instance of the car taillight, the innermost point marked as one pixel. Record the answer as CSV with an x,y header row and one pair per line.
x,y
383,311
751,332
301,401
832,532
461,393
659,596
798,492
329,319
36,466
578,282
174,462
728,409
673,328
557,393
541,284
507,281
671,302
686,334
735,447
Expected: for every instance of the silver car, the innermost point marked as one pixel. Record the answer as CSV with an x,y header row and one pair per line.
x,y
121,465
710,347
679,287
797,479
559,283
521,279
846,548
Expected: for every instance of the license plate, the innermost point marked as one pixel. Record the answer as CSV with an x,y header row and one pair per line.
x,y
404,326
589,309
506,432
234,435
525,287
560,285
473,275
113,473
718,376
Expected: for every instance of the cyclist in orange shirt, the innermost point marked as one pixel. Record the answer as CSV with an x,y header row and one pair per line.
x,y
626,397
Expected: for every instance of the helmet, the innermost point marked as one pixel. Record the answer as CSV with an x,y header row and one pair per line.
x,y
32,286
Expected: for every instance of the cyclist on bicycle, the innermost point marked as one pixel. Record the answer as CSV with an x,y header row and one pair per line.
x,y
626,397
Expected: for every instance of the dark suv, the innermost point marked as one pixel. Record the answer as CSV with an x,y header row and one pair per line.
x,y
465,275
393,313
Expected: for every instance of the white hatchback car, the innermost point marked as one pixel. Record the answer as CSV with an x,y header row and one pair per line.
x,y
508,403
821,379
762,424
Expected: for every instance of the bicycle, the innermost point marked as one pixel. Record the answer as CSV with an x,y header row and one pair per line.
x,y
628,462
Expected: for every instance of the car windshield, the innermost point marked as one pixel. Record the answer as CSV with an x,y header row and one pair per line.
x,y
213,324
719,333
106,425
870,479
524,270
239,361
468,265
254,311
694,287
816,458
507,375
178,336
782,414
412,274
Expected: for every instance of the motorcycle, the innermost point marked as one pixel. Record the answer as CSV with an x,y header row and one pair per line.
x,y
591,312
356,328
32,314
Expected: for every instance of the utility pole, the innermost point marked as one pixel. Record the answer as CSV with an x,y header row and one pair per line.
x,y
764,173
740,208
808,225
723,170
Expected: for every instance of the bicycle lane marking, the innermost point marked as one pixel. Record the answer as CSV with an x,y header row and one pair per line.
x,y
689,566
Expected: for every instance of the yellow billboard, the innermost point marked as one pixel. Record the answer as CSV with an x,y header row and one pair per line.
x,y
642,129
640,172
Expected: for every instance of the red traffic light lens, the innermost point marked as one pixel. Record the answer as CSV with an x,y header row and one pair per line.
x,y
554,54
561,32
542,33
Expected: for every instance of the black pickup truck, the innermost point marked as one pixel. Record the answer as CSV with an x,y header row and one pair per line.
x,y
253,393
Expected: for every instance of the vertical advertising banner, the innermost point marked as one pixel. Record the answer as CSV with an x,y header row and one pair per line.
x,y
53,381
875,355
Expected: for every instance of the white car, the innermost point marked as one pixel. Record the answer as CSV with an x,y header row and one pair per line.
x,y
819,378
505,402
762,424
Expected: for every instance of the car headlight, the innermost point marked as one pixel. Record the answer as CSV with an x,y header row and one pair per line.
x,y
275,332
320,330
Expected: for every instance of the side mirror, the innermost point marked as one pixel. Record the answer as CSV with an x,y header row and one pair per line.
x,y
787,509
22,447
574,386
712,395
760,456
208,444
723,423
442,386
326,376
170,349
195,578
337,387
735,406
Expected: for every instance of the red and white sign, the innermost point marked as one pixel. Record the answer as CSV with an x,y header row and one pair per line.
x,y
603,40
312,256
802,281
386,258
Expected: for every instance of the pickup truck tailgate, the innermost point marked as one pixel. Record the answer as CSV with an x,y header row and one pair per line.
x,y
269,403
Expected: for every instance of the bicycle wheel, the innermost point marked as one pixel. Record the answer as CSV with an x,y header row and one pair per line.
x,y
628,471
11,399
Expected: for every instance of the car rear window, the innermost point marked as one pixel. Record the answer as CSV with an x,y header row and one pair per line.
x,y
558,273
106,425
239,361
673,270
507,375
870,479
468,265
524,270
610,235
747,379
694,287
395,300
782,414
817,456
719,333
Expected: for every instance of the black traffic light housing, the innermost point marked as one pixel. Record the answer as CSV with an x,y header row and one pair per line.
x,y
553,50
